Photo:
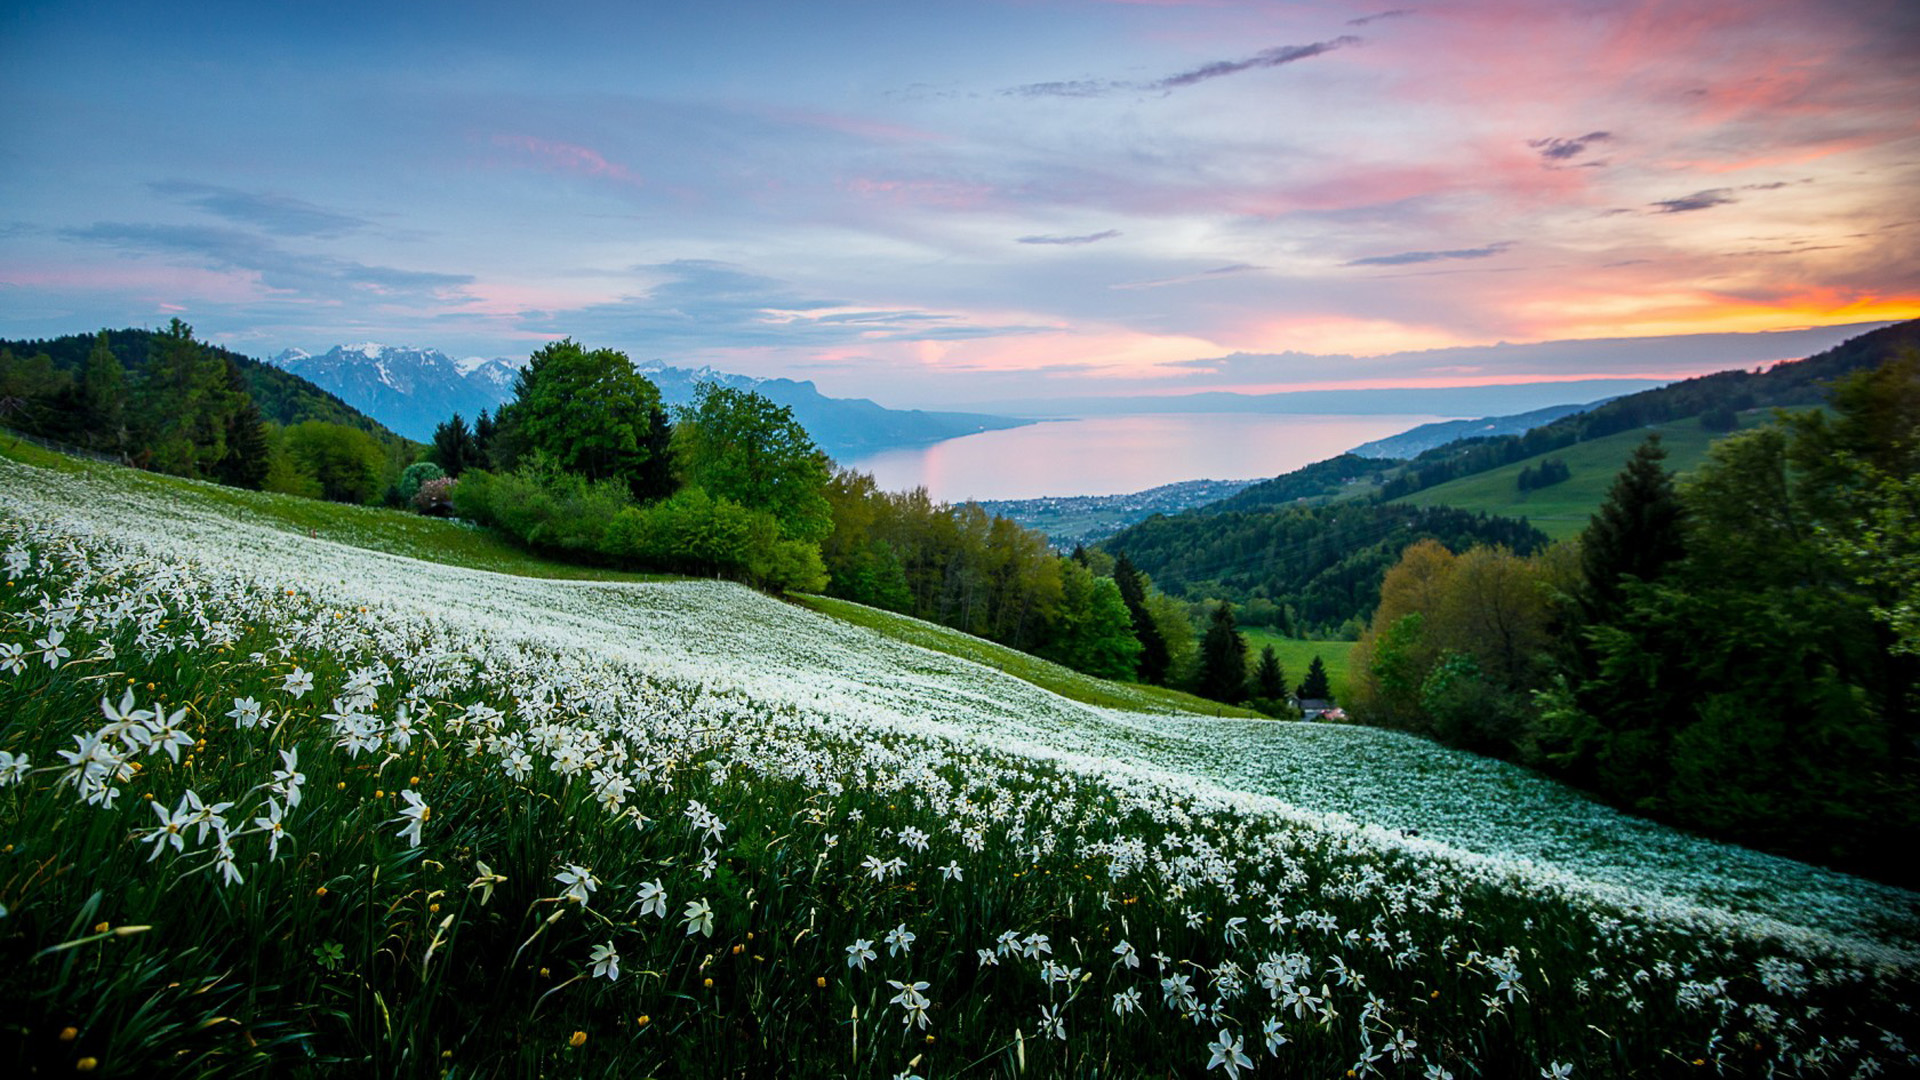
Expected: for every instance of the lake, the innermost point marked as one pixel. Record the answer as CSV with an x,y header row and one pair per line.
x,y
1116,455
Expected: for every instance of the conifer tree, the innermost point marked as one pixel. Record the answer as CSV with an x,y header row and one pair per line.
x,y
1638,532
1223,658
1155,658
454,448
244,436
1269,679
103,384
1315,686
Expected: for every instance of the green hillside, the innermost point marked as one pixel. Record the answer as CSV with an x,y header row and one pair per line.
x,y
1562,510
1296,654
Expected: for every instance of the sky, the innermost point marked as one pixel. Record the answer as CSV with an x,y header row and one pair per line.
x,y
937,204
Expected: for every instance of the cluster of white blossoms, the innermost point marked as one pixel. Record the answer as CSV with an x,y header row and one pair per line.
x,y
1308,908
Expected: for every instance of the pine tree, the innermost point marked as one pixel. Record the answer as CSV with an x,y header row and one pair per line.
x,y
1269,679
1155,658
104,387
454,448
654,479
1223,659
247,456
1637,532
484,429
1315,686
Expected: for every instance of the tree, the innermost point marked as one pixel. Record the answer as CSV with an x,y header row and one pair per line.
x,y
587,410
655,479
245,461
103,383
1269,679
1637,533
1315,686
1154,657
739,445
187,400
346,462
1223,658
455,449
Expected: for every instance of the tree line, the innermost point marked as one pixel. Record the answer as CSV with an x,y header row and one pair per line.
x,y
164,401
1736,654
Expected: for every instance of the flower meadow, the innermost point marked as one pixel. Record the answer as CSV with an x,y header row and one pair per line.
x,y
275,805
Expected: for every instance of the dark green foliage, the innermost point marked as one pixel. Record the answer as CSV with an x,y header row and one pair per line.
x,y
980,573
655,478
1269,678
1720,418
414,475
247,459
1635,534
1154,657
103,384
1223,659
282,397
740,446
1092,631
1548,473
1318,480
1326,561
346,463
1749,688
586,410
455,449
1315,686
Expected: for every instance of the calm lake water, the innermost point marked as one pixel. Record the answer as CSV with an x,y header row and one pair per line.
x,y
1116,455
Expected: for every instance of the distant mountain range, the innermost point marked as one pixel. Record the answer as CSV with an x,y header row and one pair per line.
x,y
414,390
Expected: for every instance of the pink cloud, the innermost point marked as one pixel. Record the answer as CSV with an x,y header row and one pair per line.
x,y
566,158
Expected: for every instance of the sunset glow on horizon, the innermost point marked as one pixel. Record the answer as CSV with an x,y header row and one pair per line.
x,y
949,203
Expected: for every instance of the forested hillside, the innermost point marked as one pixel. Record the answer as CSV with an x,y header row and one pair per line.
x,y
281,397
1270,547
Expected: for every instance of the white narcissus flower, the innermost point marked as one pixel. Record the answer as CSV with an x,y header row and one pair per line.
x,y
1227,1054
606,961
652,898
415,814
859,953
699,918
579,882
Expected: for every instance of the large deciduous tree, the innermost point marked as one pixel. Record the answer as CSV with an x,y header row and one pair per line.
x,y
739,445
588,410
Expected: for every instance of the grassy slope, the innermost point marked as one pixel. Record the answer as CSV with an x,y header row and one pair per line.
x,y
1045,674
1562,510
433,540
372,528
1296,655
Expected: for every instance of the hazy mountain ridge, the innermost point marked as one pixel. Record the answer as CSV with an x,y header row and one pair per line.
x,y
412,390
1428,436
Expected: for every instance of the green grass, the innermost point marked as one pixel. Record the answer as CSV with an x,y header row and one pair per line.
x,y
396,532
1296,655
1561,511
1045,674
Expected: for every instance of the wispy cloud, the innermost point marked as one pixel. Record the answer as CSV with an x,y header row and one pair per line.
x,y
1269,58
1278,56
1189,279
1554,150
314,276
1699,200
1089,238
1396,13
1410,258
281,215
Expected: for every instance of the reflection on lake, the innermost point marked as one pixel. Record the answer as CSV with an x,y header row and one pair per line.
x,y
1115,455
